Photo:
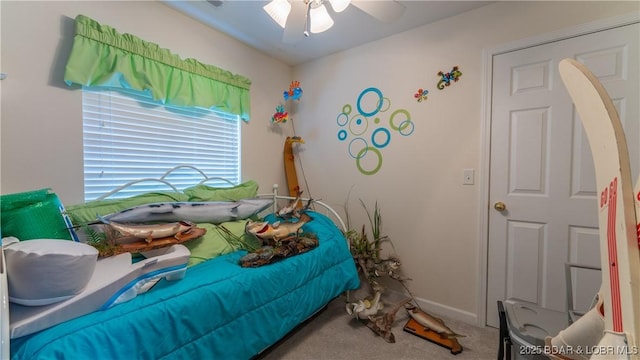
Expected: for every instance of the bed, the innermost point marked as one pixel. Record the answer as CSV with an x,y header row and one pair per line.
x,y
219,310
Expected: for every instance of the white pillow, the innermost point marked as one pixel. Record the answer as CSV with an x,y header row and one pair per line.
x,y
46,271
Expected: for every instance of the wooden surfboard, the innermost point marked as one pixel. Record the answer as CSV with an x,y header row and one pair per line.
x,y
290,166
620,257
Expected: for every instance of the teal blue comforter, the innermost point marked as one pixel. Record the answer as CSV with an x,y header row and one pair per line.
x,y
218,311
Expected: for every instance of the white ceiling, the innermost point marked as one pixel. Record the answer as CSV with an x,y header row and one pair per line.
x,y
246,21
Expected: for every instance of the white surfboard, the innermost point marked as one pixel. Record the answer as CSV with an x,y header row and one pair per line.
x,y
620,257
4,309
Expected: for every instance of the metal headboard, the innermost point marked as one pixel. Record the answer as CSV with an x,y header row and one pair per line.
x,y
162,179
325,206
274,194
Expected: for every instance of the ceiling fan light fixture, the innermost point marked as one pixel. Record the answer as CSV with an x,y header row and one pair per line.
x,y
279,11
339,5
320,19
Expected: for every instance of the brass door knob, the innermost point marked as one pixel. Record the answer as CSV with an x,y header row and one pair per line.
x,y
500,206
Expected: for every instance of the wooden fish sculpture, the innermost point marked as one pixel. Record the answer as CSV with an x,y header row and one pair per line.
x,y
289,164
289,211
432,323
276,231
150,232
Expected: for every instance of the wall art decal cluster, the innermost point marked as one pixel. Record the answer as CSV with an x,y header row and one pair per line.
x,y
368,130
444,81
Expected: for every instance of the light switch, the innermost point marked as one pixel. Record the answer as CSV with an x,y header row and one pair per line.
x,y
468,177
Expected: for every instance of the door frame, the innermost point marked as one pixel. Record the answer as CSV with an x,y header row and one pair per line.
x,y
487,85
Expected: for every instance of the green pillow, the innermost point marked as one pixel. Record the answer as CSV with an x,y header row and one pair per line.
x,y
246,190
214,242
87,212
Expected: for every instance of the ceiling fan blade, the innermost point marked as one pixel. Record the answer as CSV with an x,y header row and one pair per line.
x,y
386,11
295,27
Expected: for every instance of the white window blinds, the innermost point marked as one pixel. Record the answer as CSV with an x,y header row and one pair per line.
x,y
128,136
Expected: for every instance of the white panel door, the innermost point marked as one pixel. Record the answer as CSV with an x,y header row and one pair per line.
x,y
542,171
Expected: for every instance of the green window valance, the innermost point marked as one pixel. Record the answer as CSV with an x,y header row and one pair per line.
x,y
102,57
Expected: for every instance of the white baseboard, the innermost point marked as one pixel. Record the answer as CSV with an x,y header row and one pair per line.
x,y
437,309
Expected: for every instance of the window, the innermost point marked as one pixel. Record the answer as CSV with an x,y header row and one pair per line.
x,y
129,136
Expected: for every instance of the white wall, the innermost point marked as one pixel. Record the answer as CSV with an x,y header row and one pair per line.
x,y
41,119
432,219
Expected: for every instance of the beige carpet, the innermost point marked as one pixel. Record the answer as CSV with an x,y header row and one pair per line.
x,y
333,335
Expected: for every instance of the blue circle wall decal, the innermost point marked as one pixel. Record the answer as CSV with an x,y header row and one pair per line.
x,y
404,125
378,105
342,135
360,153
342,122
384,143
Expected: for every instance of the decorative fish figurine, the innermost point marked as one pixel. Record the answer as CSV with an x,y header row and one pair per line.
x,y
431,323
288,211
276,231
150,232
215,212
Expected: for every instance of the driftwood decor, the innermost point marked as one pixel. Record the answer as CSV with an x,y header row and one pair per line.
x,y
373,267
110,242
289,246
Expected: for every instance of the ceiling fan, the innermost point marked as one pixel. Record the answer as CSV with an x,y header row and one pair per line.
x,y
300,18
